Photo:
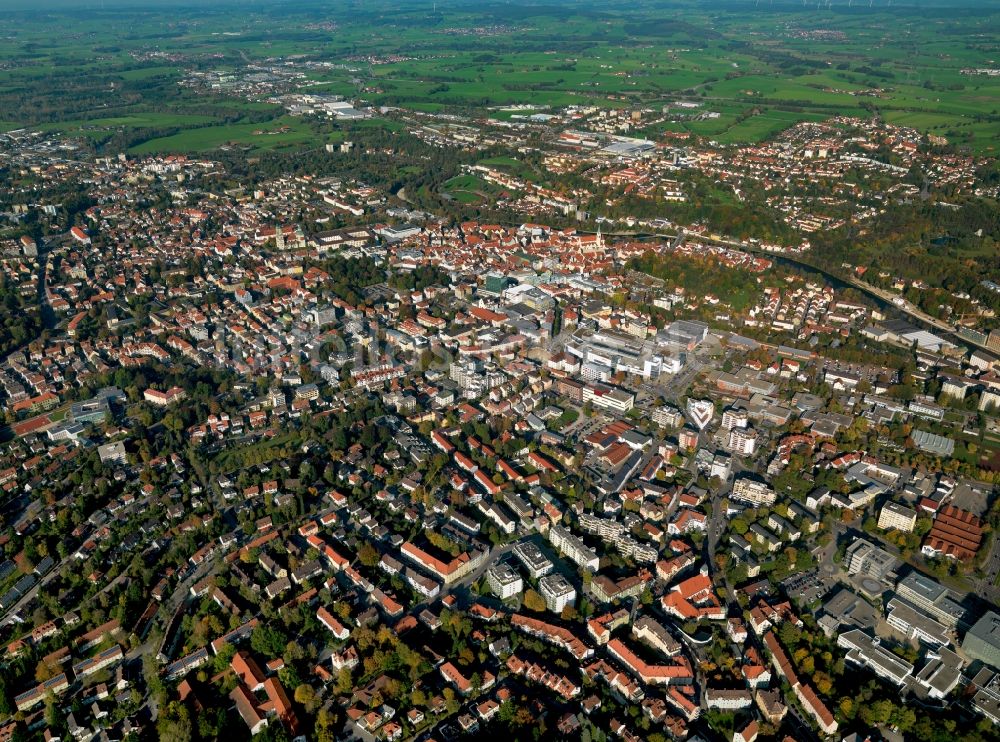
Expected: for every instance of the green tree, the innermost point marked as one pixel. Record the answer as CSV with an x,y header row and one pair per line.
x,y
268,640
174,723
6,707
345,683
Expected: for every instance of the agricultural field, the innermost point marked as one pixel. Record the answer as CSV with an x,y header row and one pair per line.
x,y
759,67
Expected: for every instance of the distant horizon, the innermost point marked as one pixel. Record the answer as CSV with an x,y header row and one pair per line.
x,y
73,5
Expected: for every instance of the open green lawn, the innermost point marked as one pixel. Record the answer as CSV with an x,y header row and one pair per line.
x,y
466,197
510,165
466,183
144,73
270,135
507,163
469,189
264,450
137,120
764,125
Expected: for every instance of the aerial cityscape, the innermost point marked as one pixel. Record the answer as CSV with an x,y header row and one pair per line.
x,y
537,370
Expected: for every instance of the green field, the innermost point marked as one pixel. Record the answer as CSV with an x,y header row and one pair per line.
x,y
760,68
468,189
465,197
511,165
138,120
283,132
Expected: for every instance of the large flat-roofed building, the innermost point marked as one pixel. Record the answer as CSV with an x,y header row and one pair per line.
x,y
700,412
982,642
504,581
752,491
927,595
916,624
987,694
667,417
557,591
627,147
897,517
865,559
113,453
537,564
608,398
399,232
743,441
847,610
683,334
865,651
617,353
574,548
941,673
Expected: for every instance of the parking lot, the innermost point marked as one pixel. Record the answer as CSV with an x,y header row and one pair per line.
x,y
807,587
971,496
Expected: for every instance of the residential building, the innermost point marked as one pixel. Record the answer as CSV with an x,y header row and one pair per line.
x,y
727,700
666,416
557,591
447,572
753,491
537,564
573,548
700,412
504,581
897,517
743,441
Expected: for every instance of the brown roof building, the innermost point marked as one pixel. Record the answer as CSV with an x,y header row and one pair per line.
x,y
956,533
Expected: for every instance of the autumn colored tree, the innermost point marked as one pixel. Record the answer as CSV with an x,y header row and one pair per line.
x,y
533,601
